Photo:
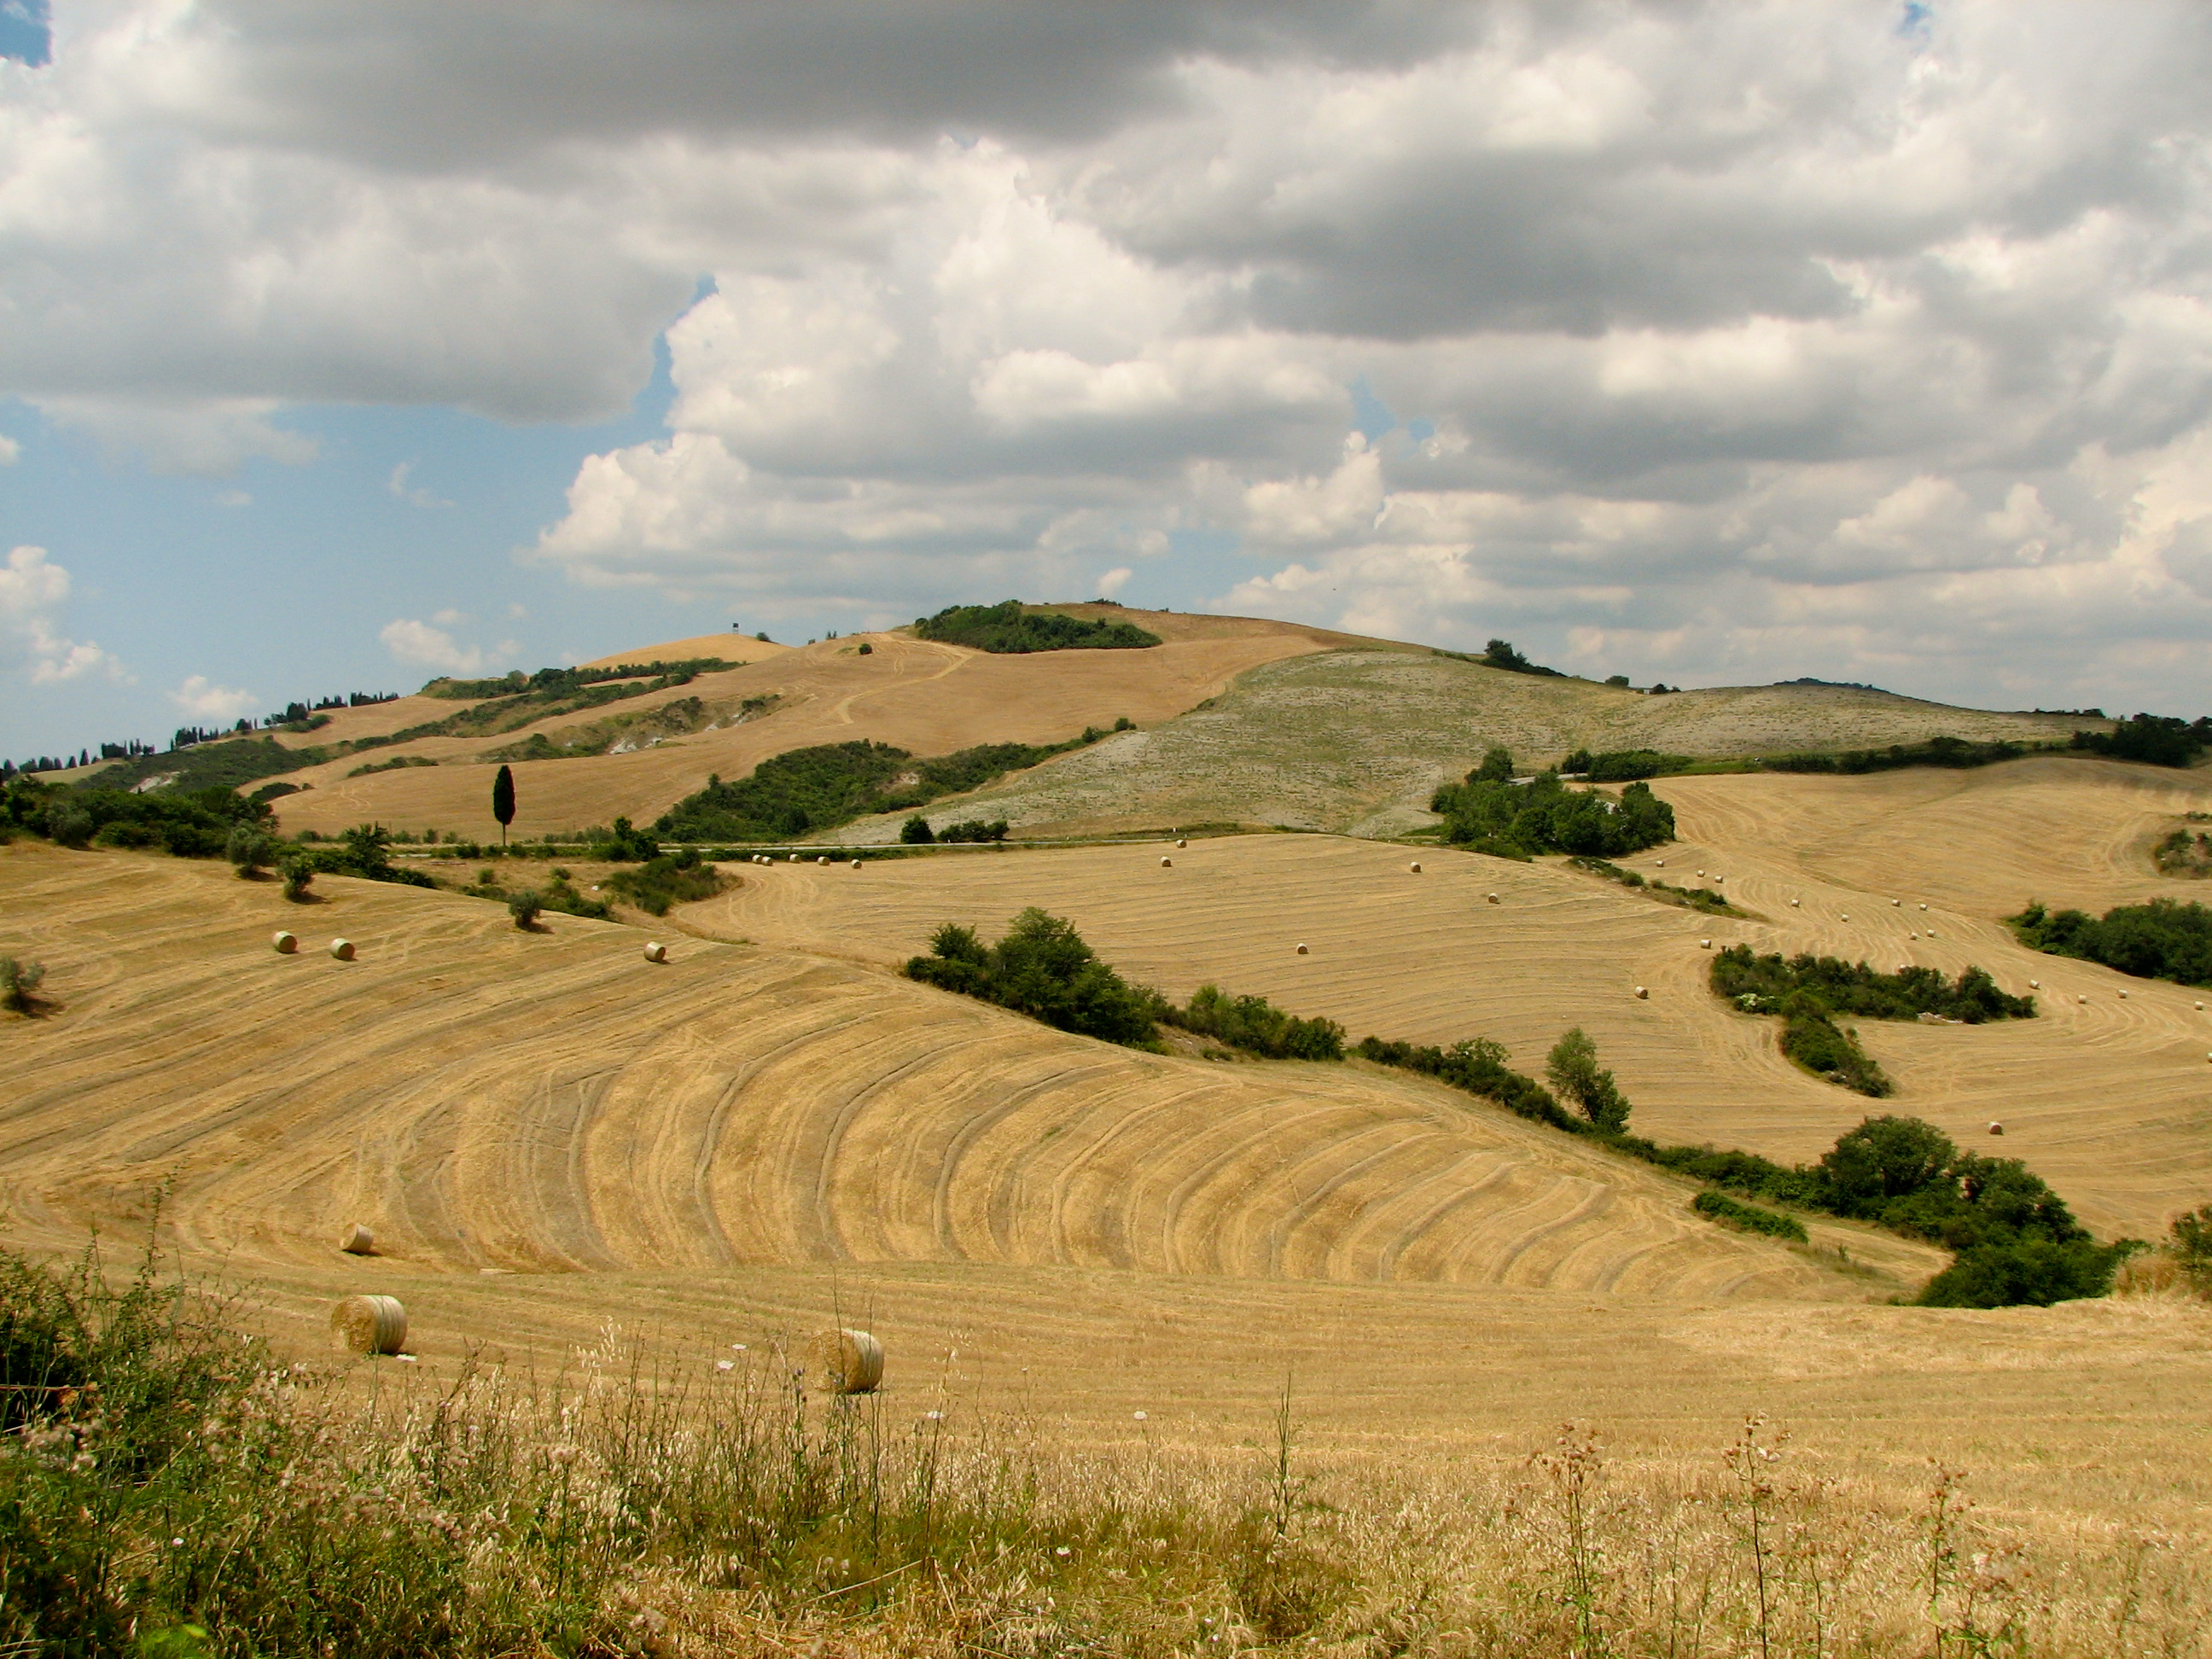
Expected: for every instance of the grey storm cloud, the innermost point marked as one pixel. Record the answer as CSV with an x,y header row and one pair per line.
x,y
1809,336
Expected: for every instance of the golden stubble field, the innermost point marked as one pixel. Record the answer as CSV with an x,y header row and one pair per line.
x,y
2110,1098
555,1141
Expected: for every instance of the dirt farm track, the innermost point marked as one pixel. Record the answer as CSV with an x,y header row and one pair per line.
x,y
548,1133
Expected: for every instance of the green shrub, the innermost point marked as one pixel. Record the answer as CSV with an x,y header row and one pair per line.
x,y
1575,1075
526,907
1625,765
249,848
1544,816
672,878
2154,739
2162,939
2030,1271
299,874
1042,968
916,832
1955,753
69,826
1012,627
974,830
1854,988
1811,1037
19,984
1256,1025
1748,1219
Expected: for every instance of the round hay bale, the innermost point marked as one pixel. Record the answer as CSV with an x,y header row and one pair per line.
x,y
1910,934
1996,1128
656,951
794,858
846,1362
2081,999
1893,904
2036,985
1924,907
283,943
1701,869
856,864
1846,915
1494,899
1704,944
1167,864
369,1324
1931,932
358,1241
1643,994
1301,949
1719,880
1793,904
2123,996
2200,1007
1182,841
1415,867
824,859
341,949
1661,863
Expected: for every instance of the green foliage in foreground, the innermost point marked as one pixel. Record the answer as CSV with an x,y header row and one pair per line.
x,y
19,984
678,878
2162,939
1749,1218
1042,968
1574,1072
1544,816
807,791
1255,1025
1012,627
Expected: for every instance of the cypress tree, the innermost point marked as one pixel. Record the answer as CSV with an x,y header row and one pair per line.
x,y
502,801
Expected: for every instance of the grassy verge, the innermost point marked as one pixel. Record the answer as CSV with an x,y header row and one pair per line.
x,y
168,1486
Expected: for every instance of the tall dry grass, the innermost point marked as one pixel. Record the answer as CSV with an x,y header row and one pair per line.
x,y
186,1491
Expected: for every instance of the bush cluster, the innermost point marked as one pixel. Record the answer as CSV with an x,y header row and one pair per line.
x,y
2154,739
1811,1038
2162,939
1255,1025
809,790
1489,812
1010,627
1043,967
194,824
1854,988
1749,1218
1624,765
1953,752
678,878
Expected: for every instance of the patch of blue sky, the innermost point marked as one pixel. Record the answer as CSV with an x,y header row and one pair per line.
x,y
27,31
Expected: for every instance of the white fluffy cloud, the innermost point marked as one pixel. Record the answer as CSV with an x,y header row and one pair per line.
x,y
429,645
1793,337
32,590
200,699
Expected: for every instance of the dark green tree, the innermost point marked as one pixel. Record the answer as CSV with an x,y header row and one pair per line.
x,y
1575,1074
1496,766
502,801
916,832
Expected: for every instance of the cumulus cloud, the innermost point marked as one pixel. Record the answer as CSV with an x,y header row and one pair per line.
x,y
11,451
32,590
429,645
199,698
1696,340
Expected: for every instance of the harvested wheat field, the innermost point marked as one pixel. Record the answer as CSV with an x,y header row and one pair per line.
x,y
2110,1100
649,753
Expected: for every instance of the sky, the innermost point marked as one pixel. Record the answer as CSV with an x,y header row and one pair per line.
x,y
343,344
